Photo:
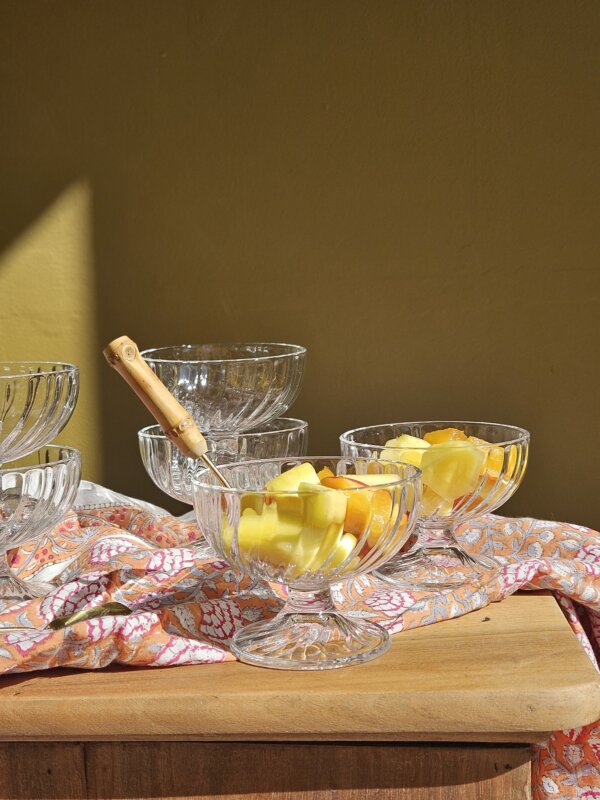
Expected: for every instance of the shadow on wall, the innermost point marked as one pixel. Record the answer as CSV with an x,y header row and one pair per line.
x,y
395,187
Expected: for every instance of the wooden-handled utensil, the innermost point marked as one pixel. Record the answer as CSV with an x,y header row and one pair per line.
x,y
123,354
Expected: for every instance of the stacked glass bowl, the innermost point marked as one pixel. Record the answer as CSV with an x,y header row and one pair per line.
x,y
236,394
38,481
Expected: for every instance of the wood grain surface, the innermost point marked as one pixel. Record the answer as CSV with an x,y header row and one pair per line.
x,y
510,672
251,771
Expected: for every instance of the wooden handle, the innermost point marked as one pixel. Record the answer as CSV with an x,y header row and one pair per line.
x,y
178,425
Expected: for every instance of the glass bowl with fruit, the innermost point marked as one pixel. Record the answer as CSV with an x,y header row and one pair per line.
x,y
468,469
308,524
172,471
231,387
37,399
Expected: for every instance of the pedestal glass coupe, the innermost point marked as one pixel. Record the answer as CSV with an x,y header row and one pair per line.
x,y
172,471
299,538
36,401
35,493
468,469
231,387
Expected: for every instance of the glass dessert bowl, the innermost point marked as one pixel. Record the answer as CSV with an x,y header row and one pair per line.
x,y
231,387
468,469
37,399
35,493
172,471
308,524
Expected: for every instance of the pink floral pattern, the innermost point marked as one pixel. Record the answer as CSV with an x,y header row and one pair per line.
x,y
185,606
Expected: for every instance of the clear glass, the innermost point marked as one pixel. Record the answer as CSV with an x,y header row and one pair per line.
x,y
439,561
36,401
35,493
301,539
172,471
231,387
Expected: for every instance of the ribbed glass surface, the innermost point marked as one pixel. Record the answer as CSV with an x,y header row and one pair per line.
x,y
219,510
507,450
231,387
172,471
35,493
309,538
36,402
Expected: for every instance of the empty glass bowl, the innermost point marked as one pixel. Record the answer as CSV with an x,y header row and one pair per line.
x,y
35,493
172,471
36,401
231,387
468,469
308,537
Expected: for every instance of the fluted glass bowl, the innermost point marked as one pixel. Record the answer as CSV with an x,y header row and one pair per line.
x,y
172,471
469,469
35,493
281,522
231,387
37,399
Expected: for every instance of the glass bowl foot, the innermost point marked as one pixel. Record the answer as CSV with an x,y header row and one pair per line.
x,y
323,640
436,568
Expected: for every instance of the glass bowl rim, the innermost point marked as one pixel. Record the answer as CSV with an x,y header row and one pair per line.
x,y
415,473
156,432
74,454
293,350
523,436
64,367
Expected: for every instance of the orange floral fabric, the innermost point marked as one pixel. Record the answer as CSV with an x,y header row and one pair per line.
x,y
186,604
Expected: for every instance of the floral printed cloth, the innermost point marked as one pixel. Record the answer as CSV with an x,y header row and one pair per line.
x,y
186,603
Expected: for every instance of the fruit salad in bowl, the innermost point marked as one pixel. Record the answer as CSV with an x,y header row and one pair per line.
x,y
308,524
468,469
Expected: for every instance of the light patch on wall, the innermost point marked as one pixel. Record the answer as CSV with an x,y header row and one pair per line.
x,y
47,307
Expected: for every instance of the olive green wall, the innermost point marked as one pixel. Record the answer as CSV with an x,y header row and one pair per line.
x,y
409,188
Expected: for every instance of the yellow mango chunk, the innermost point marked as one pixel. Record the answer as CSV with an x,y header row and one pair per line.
x,y
452,469
445,435
405,448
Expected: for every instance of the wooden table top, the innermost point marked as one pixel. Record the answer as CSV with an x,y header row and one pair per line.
x,y
509,672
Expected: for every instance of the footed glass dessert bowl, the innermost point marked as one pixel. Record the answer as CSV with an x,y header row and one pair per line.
x,y
35,493
37,399
172,471
468,469
308,524
231,387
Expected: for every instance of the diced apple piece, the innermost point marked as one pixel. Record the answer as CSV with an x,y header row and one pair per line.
x,y
267,536
408,449
322,506
344,548
312,547
445,435
290,480
287,483
452,468
252,500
